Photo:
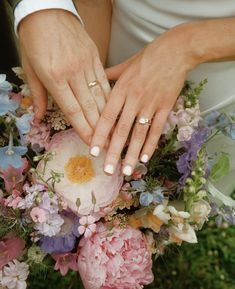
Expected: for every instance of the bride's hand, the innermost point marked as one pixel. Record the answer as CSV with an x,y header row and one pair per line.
x,y
147,87
58,56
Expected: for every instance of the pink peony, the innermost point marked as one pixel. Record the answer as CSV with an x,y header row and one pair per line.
x,y
115,259
84,186
10,249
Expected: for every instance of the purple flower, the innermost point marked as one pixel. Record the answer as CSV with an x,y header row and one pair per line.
x,y
49,203
58,244
186,160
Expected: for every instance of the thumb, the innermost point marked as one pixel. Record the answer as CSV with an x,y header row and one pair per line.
x,y
114,72
39,93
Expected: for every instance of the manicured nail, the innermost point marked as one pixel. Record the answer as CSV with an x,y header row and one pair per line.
x,y
127,170
95,151
144,158
109,169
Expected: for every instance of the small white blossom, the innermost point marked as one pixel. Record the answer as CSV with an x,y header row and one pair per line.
x,y
184,232
14,275
52,225
160,213
200,212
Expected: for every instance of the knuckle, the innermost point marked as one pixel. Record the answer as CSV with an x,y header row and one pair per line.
x,y
113,155
89,105
72,110
152,142
139,133
122,130
108,116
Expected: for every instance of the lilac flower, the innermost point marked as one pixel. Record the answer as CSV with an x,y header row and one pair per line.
x,y
23,123
7,105
11,155
225,214
49,203
58,244
5,86
28,201
146,199
52,225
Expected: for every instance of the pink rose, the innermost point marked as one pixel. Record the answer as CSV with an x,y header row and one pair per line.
x,y
115,259
84,186
184,133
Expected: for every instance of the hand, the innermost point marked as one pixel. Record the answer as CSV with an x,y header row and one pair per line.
x,y
147,86
58,56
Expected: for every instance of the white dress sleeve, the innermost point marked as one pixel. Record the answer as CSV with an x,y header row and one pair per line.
x,y
26,7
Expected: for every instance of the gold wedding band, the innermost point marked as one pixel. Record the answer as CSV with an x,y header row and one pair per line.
x,y
93,83
144,121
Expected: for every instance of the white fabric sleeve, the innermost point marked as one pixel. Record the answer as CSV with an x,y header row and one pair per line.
x,y
26,7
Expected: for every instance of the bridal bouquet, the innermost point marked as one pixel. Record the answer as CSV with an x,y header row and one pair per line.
x,y
58,208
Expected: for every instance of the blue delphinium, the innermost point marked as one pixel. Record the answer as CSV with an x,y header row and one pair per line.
x,y
23,123
11,155
5,86
7,105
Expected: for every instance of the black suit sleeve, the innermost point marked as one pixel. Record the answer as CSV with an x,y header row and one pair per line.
x,y
14,3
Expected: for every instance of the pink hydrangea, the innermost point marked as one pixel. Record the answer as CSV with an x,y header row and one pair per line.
x,y
83,186
115,259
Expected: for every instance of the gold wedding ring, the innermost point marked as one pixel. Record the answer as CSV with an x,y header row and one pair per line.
x,y
144,121
93,83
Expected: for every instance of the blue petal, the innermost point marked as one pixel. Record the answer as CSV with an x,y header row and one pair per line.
x,y
14,160
232,131
23,123
6,104
158,196
146,199
5,86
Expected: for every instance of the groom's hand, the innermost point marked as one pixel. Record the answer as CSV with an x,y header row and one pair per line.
x,y
58,56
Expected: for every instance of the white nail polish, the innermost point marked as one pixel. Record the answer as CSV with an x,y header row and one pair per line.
x,y
95,151
109,169
144,158
127,170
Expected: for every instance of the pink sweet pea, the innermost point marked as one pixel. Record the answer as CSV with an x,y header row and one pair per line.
x,y
64,262
13,178
10,249
38,215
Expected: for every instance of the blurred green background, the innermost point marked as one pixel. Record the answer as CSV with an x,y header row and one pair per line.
x,y
208,265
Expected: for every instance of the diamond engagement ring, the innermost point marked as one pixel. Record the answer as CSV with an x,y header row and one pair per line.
x,y
143,121
93,83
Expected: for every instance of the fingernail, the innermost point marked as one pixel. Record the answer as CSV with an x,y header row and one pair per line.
x,y
95,151
109,169
144,158
127,170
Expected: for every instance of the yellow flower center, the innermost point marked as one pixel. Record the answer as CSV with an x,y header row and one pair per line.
x,y
79,169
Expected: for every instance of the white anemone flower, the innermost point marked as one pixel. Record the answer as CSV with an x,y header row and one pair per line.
x,y
84,186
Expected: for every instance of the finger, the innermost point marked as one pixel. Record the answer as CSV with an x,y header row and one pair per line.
x,y
107,120
138,138
156,129
96,91
84,97
101,76
72,110
39,93
119,137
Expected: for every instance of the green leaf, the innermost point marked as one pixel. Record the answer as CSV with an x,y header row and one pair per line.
x,y
221,167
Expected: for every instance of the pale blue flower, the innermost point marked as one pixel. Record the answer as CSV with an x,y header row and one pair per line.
x,y
158,196
23,123
139,185
11,155
7,105
232,131
5,86
146,199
